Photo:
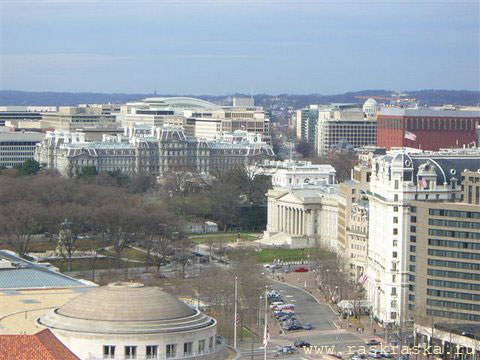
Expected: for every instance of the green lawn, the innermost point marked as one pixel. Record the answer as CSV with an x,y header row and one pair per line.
x,y
268,255
222,238
85,264
129,253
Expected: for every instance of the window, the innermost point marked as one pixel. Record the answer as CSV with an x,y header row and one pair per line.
x,y
394,291
395,209
152,352
395,231
201,346
396,184
413,238
412,258
413,228
393,315
130,352
394,255
395,197
395,243
413,248
413,219
395,220
187,348
413,209
108,352
394,278
171,351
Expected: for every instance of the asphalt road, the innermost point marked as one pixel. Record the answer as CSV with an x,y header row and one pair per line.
x,y
321,316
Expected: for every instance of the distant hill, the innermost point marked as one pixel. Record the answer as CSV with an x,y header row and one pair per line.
x,y
424,97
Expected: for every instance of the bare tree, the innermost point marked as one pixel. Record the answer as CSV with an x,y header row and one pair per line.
x,y
20,221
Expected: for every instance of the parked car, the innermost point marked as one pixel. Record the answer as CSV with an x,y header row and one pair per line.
x,y
358,356
375,354
286,349
301,269
387,354
295,327
307,326
372,342
301,344
283,307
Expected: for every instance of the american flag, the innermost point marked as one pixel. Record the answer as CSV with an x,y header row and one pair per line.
x,y
363,278
410,136
422,183
266,336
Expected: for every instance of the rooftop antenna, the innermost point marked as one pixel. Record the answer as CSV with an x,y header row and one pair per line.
x,y
155,92
251,93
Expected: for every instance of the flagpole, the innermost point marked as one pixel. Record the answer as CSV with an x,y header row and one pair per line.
x,y
265,340
235,318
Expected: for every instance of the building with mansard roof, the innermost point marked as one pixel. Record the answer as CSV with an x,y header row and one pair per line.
x,y
150,150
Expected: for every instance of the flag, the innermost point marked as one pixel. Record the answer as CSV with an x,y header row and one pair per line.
x,y
422,183
410,136
238,319
363,278
266,336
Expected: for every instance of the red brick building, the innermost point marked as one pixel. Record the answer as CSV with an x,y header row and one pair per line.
x,y
434,129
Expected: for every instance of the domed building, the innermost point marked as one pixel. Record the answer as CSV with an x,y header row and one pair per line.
x,y
131,321
370,107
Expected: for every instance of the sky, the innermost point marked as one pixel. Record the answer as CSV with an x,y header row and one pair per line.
x,y
222,47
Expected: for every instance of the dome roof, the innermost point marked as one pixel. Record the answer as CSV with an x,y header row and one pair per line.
x,y
125,308
370,102
125,302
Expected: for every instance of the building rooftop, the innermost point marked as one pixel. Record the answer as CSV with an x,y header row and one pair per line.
x,y
394,111
41,346
24,274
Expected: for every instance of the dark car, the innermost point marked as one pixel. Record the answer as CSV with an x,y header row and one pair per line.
x,y
307,326
295,327
301,269
301,344
372,342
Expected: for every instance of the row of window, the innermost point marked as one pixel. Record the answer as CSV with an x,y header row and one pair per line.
x,y
151,351
454,274
453,305
453,315
453,295
454,254
454,244
453,284
455,234
19,143
454,264
452,223
455,213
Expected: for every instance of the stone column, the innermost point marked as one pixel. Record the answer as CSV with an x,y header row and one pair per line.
x,y
297,223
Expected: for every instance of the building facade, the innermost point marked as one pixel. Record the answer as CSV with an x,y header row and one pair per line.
x,y
432,129
73,118
445,282
18,147
398,180
339,127
299,218
150,150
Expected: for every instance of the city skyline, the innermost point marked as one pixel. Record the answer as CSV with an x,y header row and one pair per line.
x,y
265,47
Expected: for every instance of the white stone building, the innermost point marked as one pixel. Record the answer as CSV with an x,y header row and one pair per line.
x,y
302,217
130,321
295,174
399,178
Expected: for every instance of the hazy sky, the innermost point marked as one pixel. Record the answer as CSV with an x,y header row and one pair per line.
x,y
221,47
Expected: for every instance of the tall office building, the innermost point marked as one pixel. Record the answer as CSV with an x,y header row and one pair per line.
x,y
344,126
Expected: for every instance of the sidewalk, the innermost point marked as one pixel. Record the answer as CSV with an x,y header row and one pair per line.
x,y
306,282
